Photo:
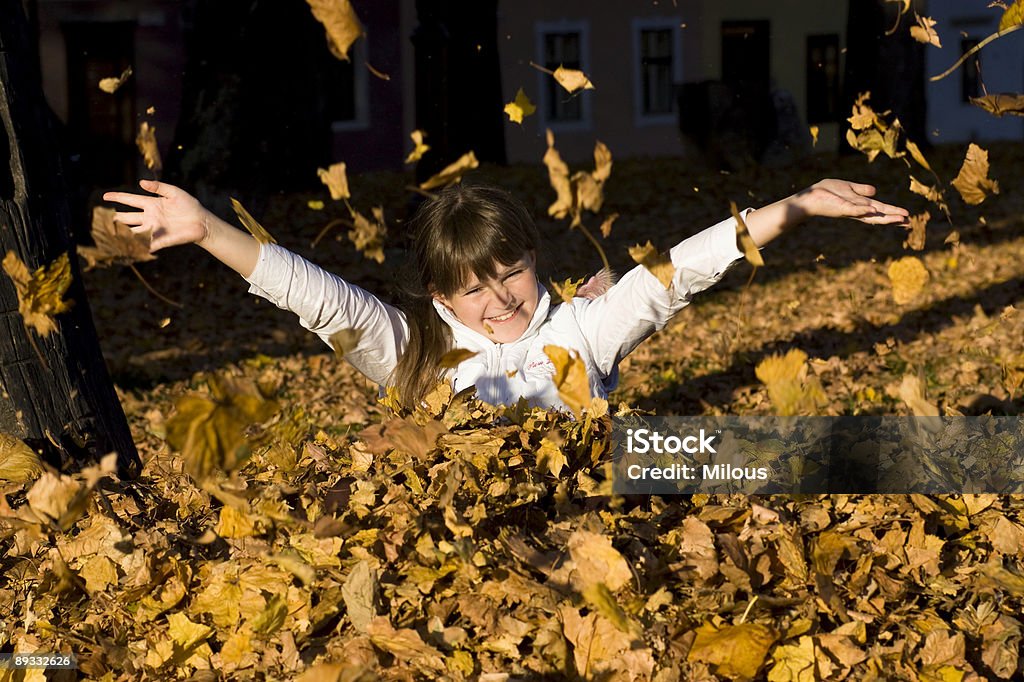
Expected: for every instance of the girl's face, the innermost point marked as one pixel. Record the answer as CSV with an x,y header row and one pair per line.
x,y
500,308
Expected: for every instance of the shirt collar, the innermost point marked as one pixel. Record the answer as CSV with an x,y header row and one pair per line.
x,y
465,333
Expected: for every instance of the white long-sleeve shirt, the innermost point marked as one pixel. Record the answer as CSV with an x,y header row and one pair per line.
x,y
602,330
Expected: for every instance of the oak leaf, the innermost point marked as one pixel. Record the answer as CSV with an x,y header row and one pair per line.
x,y
251,224
452,173
520,107
908,277
335,178
116,243
658,264
148,147
341,23
972,181
40,294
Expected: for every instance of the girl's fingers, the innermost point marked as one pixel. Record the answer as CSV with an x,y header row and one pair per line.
x,y
128,199
132,218
862,189
157,187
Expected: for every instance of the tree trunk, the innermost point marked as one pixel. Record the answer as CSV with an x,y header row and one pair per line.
x,y
56,393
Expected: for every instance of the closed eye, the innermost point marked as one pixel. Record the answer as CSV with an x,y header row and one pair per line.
x,y
513,274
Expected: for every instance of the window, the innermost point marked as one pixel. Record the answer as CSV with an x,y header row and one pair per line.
x,y
562,44
822,78
970,72
347,92
657,54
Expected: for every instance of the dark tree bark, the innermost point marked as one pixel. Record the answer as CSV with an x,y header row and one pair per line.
x,y
458,82
891,67
57,395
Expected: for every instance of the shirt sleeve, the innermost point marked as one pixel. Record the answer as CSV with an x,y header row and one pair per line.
x,y
639,304
327,304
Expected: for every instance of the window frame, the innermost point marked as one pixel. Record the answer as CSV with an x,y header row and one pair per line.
x,y
656,23
541,30
361,91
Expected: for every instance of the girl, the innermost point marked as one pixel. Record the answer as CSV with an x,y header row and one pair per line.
x,y
475,249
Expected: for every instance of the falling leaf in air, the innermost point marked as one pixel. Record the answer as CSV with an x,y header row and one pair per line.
x,y
606,225
998,105
345,341
18,462
814,135
336,180
420,147
973,182
572,79
558,176
908,277
251,224
931,193
566,289
341,23
658,264
791,389
40,293
520,107
111,85
315,205
116,244
455,357
915,152
924,32
912,393
570,378
146,142
452,173
917,231
743,238
869,132
1013,16
211,433
368,235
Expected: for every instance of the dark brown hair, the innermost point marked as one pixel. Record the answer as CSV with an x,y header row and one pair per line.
x,y
461,231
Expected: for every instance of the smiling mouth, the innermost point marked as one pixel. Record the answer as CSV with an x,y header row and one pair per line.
x,y
507,316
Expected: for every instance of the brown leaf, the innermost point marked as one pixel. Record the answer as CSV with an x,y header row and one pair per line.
x,y
116,244
915,152
572,79
924,32
912,393
345,341
111,85
452,173
734,651
40,294
606,226
341,23
658,264
908,277
251,224
335,178
558,176
368,236
597,561
406,645
360,592
148,147
570,378
972,181
1000,104
455,357
917,231
743,238
597,644
18,462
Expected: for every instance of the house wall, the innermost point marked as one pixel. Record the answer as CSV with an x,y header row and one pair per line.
x,y
950,119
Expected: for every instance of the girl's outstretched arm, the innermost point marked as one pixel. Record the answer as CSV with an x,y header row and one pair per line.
x,y
176,217
827,199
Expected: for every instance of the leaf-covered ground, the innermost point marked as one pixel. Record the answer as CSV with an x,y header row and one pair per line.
x,y
463,542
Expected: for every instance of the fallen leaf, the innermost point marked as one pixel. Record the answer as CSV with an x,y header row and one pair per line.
x,y
734,651
405,645
572,79
341,23
335,178
452,173
972,181
40,293
658,264
251,224
360,593
794,662
597,561
148,147
116,244
18,462
420,147
111,85
520,107
908,277
924,32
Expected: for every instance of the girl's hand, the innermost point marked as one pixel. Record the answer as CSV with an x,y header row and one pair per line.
x,y
174,215
845,199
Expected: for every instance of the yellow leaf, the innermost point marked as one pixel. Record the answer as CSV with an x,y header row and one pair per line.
x,y
790,389
658,264
98,572
115,242
912,393
915,152
405,645
235,523
814,135
341,23
420,147
917,235
345,341
908,277
932,194
520,107
550,457
251,224
111,85
597,561
272,617
924,32
572,79
184,632
315,204
745,241
40,293
973,182
566,289
335,178
1004,103
558,176
452,173
602,163
148,147
794,662
455,357
606,226
733,650
601,600
18,462
570,378
368,236
597,644
1013,16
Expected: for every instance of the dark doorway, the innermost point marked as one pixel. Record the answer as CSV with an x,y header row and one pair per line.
x,y
746,52
102,125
